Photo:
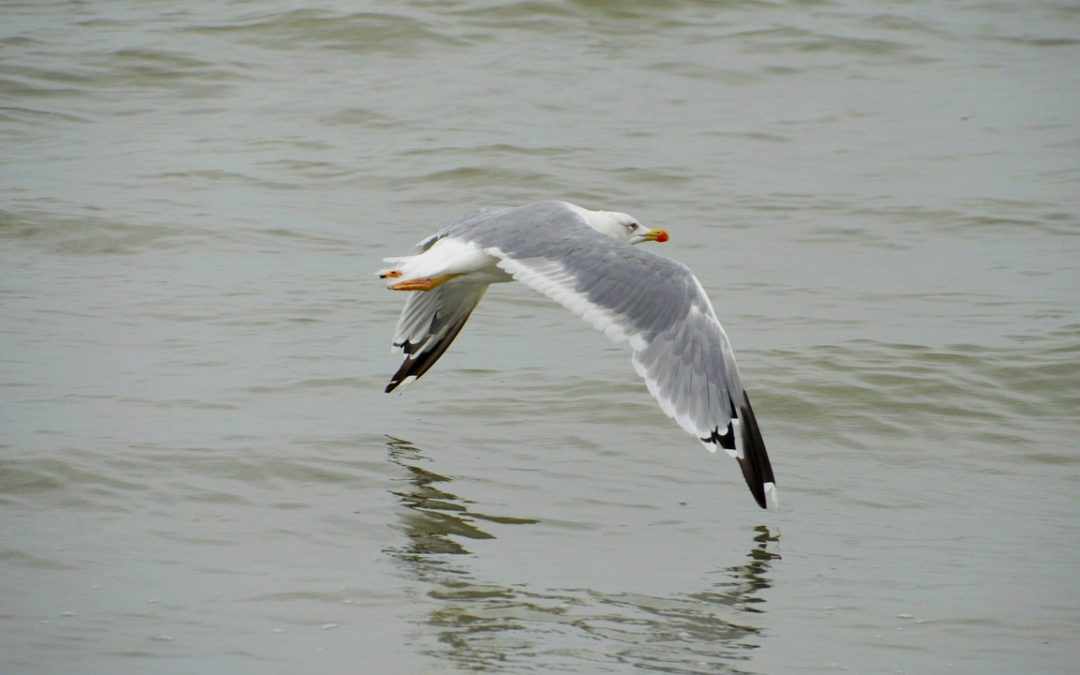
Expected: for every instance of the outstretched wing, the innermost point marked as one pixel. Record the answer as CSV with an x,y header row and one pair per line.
x,y
428,325
679,345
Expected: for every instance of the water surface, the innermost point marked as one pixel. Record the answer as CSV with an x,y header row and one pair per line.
x,y
199,470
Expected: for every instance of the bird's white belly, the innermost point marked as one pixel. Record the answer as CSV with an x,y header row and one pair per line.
x,y
463,260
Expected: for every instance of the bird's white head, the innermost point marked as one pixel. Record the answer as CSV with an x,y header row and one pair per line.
x,y
623,227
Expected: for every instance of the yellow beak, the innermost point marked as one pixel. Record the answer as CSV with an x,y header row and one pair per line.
x,y
656,235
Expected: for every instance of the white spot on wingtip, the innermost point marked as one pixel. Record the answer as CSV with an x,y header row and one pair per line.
x,y
772,496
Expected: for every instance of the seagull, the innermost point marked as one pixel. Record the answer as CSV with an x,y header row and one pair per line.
x,y
586,261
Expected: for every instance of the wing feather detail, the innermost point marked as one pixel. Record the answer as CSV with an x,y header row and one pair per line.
x,y
428,325
678,344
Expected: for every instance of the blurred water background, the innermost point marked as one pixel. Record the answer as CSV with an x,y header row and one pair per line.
x,y
199,471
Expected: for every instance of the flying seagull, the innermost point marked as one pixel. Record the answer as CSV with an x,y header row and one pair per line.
x,y
584,260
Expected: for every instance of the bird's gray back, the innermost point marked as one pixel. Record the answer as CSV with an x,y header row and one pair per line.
x,y
651,291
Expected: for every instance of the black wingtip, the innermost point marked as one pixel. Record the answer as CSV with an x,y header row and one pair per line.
x,y
411,366
755,465
416,364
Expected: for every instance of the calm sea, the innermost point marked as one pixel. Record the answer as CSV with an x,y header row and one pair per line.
x,y
199,472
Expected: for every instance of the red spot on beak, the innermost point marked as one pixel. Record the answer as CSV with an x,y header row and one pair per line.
x,y
662,236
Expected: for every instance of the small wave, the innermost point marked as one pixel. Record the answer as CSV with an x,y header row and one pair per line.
x,y
87,234
359,32
975,399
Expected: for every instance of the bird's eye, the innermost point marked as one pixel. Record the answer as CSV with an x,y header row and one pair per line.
x,y
631,226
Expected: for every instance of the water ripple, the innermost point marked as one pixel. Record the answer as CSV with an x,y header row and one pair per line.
x,y
360,32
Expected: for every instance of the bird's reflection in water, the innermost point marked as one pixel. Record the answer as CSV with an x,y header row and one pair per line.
x,y
434,515
708,630
479,625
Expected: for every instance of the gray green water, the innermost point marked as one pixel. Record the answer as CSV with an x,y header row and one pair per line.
x,y
199,471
